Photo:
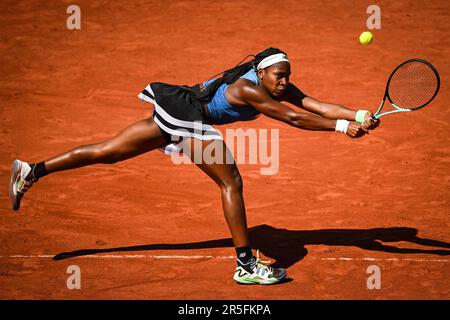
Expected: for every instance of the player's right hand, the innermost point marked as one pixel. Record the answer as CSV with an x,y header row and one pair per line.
x,y
369,122
356,130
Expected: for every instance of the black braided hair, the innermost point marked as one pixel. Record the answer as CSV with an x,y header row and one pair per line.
x,y
231,75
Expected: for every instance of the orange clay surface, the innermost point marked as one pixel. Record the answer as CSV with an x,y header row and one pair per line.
x,y
148,229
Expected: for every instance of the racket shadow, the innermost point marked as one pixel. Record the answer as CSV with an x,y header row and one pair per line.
x,y
288,247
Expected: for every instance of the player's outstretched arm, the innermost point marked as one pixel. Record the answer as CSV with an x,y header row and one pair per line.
x,y
327,110
261,101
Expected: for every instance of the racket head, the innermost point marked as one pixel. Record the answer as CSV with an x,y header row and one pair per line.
x,y
413,84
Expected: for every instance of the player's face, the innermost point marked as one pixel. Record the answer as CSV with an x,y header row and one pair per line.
x,y
275,78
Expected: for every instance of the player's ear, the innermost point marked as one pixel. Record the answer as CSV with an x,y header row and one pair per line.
x,y
260,73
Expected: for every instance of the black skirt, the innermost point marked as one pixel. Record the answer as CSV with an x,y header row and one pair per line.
x,y
178,113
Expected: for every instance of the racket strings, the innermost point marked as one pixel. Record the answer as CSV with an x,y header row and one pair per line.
x,y
413,85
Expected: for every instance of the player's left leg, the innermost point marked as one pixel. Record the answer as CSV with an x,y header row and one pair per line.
x,y
138,138
224,172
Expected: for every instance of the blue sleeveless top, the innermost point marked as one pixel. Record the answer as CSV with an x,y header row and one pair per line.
x,y
222,111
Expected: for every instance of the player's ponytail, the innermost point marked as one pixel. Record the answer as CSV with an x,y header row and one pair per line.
x,y
231,75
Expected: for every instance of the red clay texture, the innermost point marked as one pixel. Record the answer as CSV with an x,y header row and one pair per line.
x,y
148,229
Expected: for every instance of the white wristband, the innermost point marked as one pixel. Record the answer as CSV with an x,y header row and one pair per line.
x,y
342,125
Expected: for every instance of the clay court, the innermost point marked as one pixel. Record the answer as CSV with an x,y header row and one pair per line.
x,y
148,229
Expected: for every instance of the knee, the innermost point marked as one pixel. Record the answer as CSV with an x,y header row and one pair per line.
x,y
107,155
233,184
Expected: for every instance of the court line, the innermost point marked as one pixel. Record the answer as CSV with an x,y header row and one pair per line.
x,y
208,257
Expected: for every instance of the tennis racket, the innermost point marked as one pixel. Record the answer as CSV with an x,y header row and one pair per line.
x,y
410,87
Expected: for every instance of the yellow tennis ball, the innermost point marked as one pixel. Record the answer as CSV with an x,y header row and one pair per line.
x,y
366,37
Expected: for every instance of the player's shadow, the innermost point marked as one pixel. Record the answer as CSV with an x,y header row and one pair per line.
x,y
287,247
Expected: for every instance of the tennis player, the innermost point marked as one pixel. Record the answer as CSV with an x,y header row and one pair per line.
x,y
260,86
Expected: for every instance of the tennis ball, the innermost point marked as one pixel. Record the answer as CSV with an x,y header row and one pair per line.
x,y
366,37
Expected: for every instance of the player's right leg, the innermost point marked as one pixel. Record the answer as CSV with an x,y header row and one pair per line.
x,y
134,140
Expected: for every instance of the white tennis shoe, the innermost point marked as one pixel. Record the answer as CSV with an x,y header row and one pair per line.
x,y
17,184
256,271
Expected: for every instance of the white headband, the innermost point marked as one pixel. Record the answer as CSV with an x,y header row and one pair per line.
x,y
271,60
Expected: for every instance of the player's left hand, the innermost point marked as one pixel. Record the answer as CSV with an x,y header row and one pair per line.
x,y
369,123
